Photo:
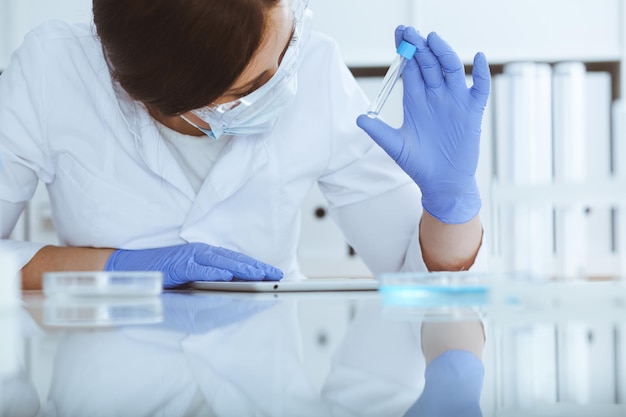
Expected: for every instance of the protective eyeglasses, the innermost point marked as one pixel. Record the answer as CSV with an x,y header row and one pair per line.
x,y
227,113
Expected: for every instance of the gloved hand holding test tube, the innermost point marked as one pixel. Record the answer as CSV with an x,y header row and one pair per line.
x,y
439,140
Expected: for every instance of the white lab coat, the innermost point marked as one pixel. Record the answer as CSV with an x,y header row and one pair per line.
x,y
113,182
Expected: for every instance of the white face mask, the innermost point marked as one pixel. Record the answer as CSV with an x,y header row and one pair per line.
x,y
259,111
259,117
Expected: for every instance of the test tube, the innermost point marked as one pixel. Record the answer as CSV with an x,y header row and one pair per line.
x,y
405,52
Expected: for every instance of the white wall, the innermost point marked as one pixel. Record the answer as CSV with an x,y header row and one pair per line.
x,y
18,17
552,30
511,30
363,28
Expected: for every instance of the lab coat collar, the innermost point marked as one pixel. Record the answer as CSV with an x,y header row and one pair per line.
x,y
238,162
148,143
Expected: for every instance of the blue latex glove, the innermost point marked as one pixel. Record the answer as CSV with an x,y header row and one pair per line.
x,y
438,142
454,383
192,262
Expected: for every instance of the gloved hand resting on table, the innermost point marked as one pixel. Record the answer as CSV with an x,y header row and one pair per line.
x,y
438,142
193,262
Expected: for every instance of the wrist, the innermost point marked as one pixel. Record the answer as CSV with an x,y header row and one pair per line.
x,y
452,202
110,264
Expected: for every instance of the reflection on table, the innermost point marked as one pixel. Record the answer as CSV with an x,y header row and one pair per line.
x,y
336,354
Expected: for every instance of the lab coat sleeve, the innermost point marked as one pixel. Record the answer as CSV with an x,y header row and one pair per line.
x,y
389,243
375,204
23,147
358,169
384,230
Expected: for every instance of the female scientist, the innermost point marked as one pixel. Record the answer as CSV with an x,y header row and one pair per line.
x,y
183,137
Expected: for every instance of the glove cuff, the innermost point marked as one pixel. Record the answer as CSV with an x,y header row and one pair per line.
x,y
110,264
454,382
452,203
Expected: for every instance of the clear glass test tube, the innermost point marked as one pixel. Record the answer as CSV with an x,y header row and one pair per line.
x,y
405,52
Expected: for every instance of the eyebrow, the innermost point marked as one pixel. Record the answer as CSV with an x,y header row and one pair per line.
x,y
262,77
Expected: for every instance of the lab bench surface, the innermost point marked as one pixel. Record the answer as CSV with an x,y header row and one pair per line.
x,y
187,353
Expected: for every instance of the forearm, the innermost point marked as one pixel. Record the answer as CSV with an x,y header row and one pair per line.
x,y
449,247
54,258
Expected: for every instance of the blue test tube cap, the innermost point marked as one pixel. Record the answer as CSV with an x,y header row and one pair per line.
x,y
406,49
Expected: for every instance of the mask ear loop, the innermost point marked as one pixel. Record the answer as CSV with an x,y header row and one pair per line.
x,y
207,132
299,6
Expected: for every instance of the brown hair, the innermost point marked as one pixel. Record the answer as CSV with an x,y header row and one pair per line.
x,y
179,55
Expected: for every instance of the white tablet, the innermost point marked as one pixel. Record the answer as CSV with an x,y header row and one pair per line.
x,y
310,284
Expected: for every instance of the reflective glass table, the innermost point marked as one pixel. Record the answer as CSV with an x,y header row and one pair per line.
x,y
186,353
